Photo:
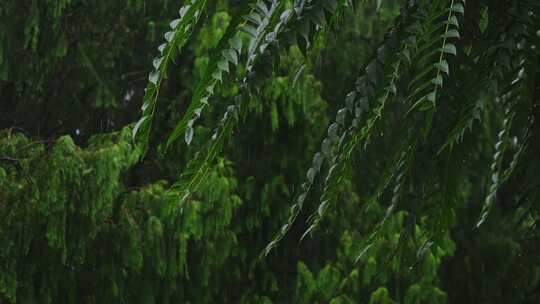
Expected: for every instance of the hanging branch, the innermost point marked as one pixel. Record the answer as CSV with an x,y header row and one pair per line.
x,y
227,52
357,103
280,23
175,39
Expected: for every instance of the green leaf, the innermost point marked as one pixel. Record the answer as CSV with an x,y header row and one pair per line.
x,y
169,36
442,66
458,8
333,130
252,31
236,43
188,136
162,47
432,96
450,49
317,161
153,77
454,21
210,88
341,116
138,125
255,18
452,34
183,10
261,8
438,80
231,56
157,62
174,23
218,76
223,65
310,175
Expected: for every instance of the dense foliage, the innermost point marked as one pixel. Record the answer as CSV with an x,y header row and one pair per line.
x,y
306,151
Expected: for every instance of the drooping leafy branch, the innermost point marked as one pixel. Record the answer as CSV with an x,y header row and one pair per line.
x,y
229,50
175,39
274,28
512,94
418,48
357,104
411,72
430,42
